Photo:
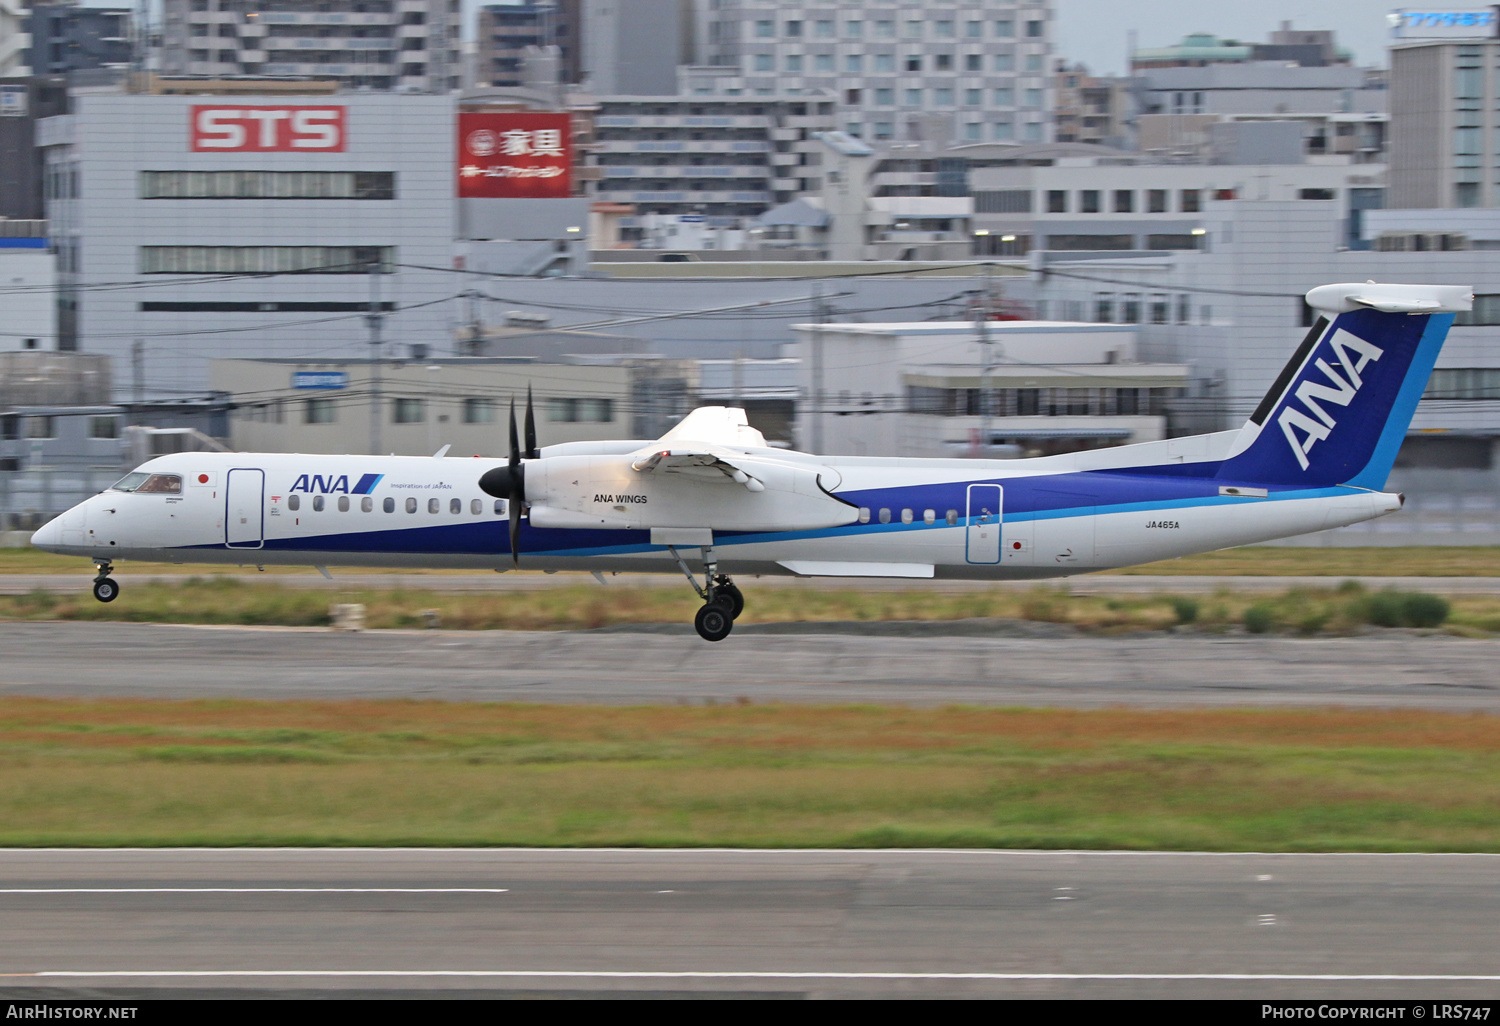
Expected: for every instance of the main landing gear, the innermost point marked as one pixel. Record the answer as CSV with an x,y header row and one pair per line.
x,y
105,587
722,601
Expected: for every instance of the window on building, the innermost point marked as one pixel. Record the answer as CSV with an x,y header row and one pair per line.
x,y
943,62
973,97
1005,28
1033,97
1190,201
885,30
1003,131
854,63
318,411
942,97
1184,310
580,411
973,62
794,63
1130,308
913,29
480,411
1034,62
1466,194
1315,194
914,97
823,62
943,28
1057,201
885,62
885,97
913,62
1156,201
1104,308
1088,201
408,411
291,185
104,427
765,62
854,30
1124,201
1005,97
1161,310
972,131
1005,62
1035,29
265,259
885,130
974,29
823,29
793,30
765,29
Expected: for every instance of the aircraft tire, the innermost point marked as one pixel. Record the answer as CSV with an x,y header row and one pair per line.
x,y
713,622
106,589
731,598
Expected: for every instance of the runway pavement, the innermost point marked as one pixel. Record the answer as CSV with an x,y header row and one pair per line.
x,y
1087,584
980,662
789,924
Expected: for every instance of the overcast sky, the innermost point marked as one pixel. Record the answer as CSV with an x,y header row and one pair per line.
x,y
1095,31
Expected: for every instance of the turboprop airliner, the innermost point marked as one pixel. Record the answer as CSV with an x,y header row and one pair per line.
x,y
709,499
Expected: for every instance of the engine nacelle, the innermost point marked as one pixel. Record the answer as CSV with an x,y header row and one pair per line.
x,y
606,492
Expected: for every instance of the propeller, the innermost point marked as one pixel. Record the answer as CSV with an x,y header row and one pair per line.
x,y
509,482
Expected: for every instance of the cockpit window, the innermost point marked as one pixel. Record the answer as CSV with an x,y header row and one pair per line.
x,y
161,484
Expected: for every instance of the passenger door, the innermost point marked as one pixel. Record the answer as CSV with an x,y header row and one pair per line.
x,y
982,541
244,509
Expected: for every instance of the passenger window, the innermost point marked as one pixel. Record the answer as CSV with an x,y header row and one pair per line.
x,y
162,484
885,516
317,503
455,505
367,505
952,517
476,507
433,505
499,507
864,514
343,503
411,505
929,516
294,502
906,516
389,505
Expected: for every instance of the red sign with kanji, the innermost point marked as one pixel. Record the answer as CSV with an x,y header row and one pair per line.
x,y
506,156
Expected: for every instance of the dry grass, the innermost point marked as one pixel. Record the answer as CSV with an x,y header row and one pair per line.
x,y
366,772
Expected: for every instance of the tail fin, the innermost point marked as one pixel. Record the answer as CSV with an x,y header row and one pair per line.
x,y
1340,408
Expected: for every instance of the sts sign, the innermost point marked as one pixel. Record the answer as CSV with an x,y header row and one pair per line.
x,y
236,129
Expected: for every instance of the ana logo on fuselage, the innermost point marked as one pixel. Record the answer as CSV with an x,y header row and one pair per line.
x,y
1353,354
330,484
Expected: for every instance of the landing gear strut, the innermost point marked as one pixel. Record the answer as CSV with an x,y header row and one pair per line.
x,y
722,601
105,587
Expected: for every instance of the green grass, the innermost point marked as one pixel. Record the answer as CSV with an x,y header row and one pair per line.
x,y
120,772
1344,609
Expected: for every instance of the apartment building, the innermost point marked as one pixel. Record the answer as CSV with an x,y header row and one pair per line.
x,y
411,45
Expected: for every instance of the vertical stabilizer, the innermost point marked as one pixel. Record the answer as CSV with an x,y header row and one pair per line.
x,y
1339,410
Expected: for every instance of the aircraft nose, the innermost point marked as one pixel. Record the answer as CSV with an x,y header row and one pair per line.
x,y
49,536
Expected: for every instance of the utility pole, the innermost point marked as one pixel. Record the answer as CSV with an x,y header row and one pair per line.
x,y
374,319
138,370
817,369
986,359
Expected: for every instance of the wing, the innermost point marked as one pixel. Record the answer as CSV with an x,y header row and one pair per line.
x,y
698,462
714,425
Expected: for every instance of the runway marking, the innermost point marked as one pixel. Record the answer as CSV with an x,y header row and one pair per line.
x,y
254,890
692,974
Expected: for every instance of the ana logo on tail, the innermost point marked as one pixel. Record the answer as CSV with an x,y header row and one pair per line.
x,y
1353,354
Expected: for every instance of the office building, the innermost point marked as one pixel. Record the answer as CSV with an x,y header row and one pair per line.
x,y
15,39
251,225
939,72
411,45
1443,127
506,31
634,47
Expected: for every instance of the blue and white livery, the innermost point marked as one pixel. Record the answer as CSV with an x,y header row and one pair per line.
x,y
711,495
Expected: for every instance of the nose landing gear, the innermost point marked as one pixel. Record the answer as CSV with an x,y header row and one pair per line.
x,y
722,601
106,589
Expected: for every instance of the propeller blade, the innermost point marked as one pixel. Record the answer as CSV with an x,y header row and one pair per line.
x,y
515,444
532,452
514,508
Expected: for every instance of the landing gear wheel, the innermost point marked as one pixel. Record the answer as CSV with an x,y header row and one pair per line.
x,y
731,598
713,622
106,590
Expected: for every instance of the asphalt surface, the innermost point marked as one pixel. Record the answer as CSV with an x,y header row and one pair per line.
x,y
1085,584
781,924
980,662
